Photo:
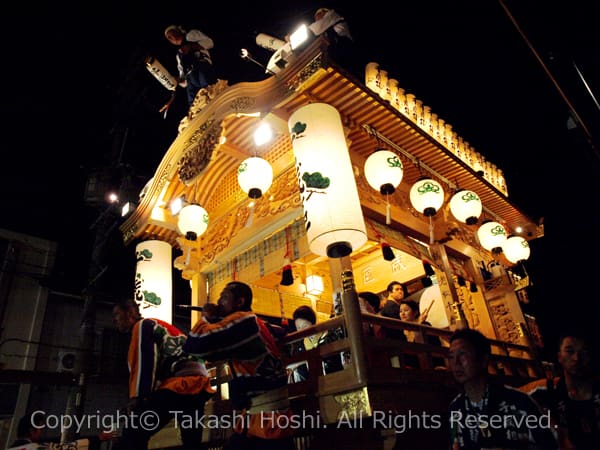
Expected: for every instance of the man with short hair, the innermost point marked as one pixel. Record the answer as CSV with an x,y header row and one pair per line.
x,y
488,415
164,381
391,308
194,63
573,398
230,331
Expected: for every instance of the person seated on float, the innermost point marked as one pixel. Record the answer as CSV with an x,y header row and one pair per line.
x,y
369,302
304,316
409,312
396,292
373,302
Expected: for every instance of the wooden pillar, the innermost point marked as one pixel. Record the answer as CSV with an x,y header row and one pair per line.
x,y
199,294
343,281
438,251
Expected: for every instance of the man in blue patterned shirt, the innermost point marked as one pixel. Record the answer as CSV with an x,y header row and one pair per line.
x,y
488,415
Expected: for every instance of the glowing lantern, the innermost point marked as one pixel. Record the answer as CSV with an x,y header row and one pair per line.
x,y
332,212
314,285
516,249
426,196
492,236
255,176
384,171
466,206
153,279
192,221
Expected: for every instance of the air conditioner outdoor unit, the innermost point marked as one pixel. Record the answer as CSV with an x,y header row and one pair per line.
x,y
66,361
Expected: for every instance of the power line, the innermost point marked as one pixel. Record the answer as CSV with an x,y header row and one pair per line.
x,y
570,105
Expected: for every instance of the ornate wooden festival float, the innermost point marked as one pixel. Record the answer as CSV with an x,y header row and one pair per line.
x,y
360,184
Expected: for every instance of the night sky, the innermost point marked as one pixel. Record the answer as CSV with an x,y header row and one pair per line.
x,y
76,97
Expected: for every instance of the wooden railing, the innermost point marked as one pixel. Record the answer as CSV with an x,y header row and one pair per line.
x,y
400,374
513,363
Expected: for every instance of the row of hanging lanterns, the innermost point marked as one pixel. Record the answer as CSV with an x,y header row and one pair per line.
x,y
384,172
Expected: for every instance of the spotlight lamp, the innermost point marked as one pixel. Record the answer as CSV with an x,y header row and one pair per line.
x,y
466,206
516,249
492,236
263,134
255,176
299,36
192,221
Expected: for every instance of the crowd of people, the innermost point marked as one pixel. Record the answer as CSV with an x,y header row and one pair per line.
x,y
168,375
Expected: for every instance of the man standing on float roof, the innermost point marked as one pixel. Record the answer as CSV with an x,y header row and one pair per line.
x,y
194,63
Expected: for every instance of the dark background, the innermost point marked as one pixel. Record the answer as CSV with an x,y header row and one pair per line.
x,y
76,97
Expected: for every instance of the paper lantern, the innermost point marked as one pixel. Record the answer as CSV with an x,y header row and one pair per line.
x,y
314,285
426,196
153,280
192,221
255,176
516,249
492,236
466,206
430,301
384,171
332,212
159,72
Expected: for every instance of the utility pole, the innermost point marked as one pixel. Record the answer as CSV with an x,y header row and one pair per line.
x,y
118,177
102,228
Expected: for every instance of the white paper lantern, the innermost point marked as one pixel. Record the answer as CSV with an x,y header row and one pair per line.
x,y
314,285
431,298
516,249
192,221
153,279
255,176
384,171
332,212
492,236
466,206
427,196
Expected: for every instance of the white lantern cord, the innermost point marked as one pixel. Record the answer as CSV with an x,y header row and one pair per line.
x,y
388,210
